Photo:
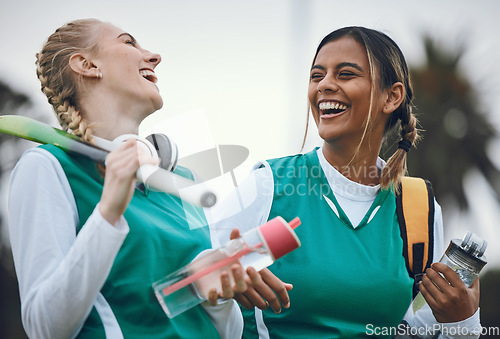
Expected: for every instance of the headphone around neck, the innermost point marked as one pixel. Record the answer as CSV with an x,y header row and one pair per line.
x,y
166,149
157,144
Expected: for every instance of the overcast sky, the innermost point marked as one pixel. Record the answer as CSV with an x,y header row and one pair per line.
x,y
235,72
245,63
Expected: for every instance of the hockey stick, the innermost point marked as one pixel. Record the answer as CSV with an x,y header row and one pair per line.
x,y
153,177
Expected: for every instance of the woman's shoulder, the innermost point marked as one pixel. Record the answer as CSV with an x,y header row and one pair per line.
x,y
36,157
37,164
294,156
291,162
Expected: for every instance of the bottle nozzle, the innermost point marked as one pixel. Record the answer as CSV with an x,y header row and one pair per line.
x,y
294,223
473,245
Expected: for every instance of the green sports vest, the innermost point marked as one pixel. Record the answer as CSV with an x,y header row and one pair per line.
x,y
347,281
160,241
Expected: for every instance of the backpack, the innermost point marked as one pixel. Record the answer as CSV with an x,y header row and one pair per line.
x,y
415,211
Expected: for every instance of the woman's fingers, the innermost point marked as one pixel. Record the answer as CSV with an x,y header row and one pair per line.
x,y
119,181
279,287
244,301
120,178
227,289
267,290
235,233
255,300
263,289
439,283
450,276
448,297
428,290
240,285
213,296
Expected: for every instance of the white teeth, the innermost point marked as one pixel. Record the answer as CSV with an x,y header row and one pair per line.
x,y
331,105
148,75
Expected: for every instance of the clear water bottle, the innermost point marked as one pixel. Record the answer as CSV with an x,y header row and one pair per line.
x,y
466,257
259,248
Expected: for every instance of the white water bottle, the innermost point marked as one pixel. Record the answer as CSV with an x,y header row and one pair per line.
x,y
259,248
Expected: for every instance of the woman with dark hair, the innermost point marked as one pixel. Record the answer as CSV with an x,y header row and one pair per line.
x,y
349,276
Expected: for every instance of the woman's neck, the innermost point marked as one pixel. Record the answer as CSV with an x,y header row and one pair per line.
x,y
110,129
357,165
109,119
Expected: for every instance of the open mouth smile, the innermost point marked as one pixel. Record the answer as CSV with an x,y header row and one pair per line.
x,y
331,108
148,75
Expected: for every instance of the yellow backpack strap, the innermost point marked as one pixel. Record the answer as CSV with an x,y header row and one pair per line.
x,y
415,210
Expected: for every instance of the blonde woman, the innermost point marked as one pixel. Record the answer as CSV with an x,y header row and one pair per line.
x,y
87,242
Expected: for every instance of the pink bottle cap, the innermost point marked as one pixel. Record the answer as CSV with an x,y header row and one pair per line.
x,y
279,236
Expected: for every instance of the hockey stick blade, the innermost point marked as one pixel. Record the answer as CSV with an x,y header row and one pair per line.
x,y
33,130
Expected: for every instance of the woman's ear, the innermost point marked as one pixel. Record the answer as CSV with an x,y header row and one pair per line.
x,y
395,96
82,66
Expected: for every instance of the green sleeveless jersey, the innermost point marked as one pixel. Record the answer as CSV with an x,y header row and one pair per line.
x,y
165,234
346,280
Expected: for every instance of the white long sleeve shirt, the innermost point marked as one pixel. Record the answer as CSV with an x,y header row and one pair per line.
x,y
249,206
60,273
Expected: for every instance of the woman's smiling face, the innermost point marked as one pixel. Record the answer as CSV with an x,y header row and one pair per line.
x,y
340,89
128,69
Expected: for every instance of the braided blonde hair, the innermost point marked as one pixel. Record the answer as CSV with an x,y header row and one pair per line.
x,y
58,82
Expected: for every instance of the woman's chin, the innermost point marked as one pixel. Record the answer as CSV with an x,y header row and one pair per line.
x,y
326,134
157,103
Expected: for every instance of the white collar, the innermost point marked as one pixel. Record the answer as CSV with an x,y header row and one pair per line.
x,y
345,187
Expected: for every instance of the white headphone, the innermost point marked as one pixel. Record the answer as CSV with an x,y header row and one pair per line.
x,y
166,149
157,145
160,145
